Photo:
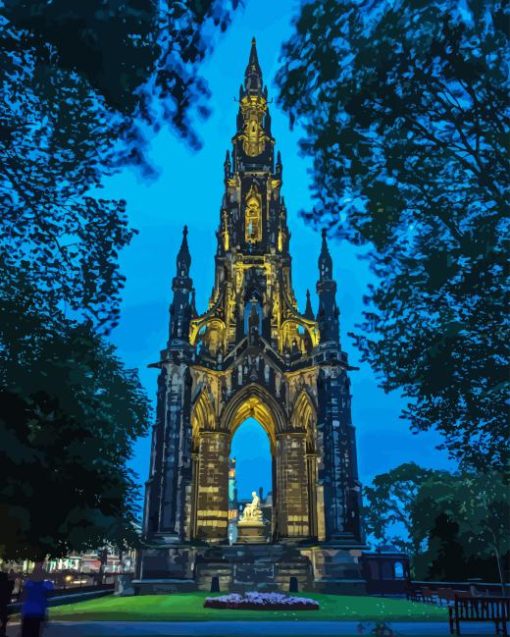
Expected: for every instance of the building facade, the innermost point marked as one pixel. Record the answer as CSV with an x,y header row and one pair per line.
x,y
252,353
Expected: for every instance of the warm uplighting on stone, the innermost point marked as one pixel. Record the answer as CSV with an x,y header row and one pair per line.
x,y
252,353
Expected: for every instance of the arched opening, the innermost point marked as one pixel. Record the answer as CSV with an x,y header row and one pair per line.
x,y
250,470
304,416
253,217
399,570
253,309
296,507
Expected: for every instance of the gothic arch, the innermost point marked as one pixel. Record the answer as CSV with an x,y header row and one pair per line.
x,y
304,417
253,400
207,322
289,330
202,415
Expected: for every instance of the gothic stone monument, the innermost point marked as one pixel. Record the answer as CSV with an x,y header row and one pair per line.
x,y
252,353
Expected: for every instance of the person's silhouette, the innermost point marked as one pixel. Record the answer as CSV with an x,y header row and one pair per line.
x,y
35,602
6,587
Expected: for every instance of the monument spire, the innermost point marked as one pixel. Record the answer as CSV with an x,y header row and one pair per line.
x,y
325,260
181,308
253,84
183,256
253,182
328,313
308,309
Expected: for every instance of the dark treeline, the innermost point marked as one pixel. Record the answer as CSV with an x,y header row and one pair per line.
x,y
404,108
83,85
454,526
405,112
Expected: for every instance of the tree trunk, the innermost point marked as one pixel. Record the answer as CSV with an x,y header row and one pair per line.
x,y
500,571
103,560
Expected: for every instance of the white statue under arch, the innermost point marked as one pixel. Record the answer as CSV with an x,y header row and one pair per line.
x,y
252,511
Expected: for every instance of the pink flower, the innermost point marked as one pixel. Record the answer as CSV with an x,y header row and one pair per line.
x,y
263,601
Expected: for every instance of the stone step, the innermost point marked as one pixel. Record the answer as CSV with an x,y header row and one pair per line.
x,y
249,568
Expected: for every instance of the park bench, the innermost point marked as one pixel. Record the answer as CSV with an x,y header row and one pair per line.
x,y
423,594
441,596
428,595
479,609
448,595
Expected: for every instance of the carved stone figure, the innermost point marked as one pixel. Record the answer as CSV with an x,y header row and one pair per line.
x,y
252,511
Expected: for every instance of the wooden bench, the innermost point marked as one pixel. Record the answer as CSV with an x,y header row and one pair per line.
x,y
448,595
423,594
479,609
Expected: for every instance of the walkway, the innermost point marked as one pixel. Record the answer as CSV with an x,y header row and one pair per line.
x,y
245,629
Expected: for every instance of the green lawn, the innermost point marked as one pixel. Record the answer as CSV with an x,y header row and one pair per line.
x,y
189,607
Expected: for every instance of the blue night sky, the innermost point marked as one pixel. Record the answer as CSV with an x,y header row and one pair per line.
x,y
188,190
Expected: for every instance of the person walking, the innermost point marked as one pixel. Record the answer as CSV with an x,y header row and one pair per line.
x,y
35,602
16,583
6,587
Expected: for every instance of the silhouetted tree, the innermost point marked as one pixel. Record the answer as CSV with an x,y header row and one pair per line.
x,y
444,557
477,504
442,520
404,108
82,82
389,502
69,414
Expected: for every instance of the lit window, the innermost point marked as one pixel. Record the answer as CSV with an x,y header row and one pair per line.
x,y
253,217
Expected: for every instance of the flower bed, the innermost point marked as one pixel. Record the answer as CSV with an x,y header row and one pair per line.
x,y
261,601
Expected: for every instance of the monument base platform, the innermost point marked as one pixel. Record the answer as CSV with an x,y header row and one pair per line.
x,y
163,586
164,567
250,566
252,533
254,567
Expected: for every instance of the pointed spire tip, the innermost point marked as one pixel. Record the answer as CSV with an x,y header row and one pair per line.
x,y
253,52
308,308
253,73
183,256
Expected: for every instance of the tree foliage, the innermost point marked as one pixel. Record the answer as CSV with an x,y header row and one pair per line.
x,y
69,414
478,507
405,112
82,84
447,522
140,57
390,500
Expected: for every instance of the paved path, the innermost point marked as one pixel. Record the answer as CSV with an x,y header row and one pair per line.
x,y
245,629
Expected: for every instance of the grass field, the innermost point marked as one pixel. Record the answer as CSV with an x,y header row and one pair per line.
x,y
189,607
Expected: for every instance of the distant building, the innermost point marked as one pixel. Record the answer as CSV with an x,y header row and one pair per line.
x,y
233,506
77,568
266,504
90,562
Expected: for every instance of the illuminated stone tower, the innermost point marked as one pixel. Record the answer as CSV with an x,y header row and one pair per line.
x,y
252,353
